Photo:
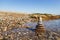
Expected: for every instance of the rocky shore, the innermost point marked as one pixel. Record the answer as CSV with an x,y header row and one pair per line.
x,y
12,27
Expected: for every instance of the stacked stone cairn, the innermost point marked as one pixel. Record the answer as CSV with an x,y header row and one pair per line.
x,y
40,30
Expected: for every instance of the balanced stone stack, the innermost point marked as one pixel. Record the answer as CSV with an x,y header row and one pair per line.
x,y
40,30
39,27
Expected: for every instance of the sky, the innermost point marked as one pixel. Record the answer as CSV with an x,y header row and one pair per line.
x,y
31,6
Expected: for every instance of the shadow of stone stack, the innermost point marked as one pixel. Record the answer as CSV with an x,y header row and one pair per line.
x,y
40,30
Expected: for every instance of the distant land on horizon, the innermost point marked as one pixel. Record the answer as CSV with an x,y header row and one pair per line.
x,y
28,12
45,16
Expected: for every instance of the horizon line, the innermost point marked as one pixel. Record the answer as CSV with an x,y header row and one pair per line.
x,y
27,12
